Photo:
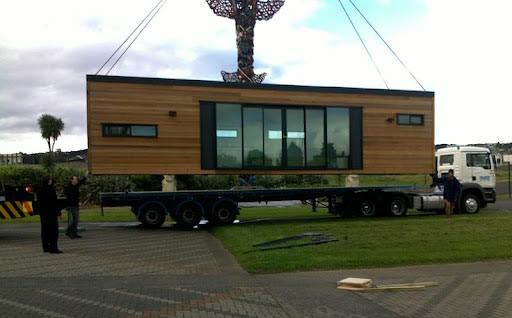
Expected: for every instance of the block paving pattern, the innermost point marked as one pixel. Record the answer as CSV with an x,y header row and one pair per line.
x,y
478,295
128,271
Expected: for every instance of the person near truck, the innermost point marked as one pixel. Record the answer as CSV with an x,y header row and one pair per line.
x,y
451,192
73,198
49,212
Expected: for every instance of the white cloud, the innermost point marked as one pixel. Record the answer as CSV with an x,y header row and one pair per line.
x,y
459,49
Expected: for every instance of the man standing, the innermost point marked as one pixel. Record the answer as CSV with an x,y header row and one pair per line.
x,y
73,199
48,212
452,189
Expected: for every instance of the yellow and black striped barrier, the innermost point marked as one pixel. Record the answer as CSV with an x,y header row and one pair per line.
x,y
15,209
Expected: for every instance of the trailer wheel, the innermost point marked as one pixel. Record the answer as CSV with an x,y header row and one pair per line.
x,y
225,213
152,215
189,214
367,207
397,206
470,203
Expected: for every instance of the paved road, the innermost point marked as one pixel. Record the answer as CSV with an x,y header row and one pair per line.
x,y
122,270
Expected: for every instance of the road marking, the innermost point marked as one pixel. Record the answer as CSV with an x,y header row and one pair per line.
x,y
190,291
91,302
40,311
198,303
141,296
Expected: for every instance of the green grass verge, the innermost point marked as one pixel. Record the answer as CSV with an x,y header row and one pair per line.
x,y
87,215
254,213
366,243
502,174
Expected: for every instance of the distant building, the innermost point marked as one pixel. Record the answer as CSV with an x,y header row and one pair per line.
x,y
11,159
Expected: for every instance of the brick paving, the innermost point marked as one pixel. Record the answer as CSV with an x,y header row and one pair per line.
x,y
123,270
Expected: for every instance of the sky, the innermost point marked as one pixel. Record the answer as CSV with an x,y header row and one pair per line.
x,y
459,49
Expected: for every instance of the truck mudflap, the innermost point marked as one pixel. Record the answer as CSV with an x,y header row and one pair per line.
x,y
16,209
489,195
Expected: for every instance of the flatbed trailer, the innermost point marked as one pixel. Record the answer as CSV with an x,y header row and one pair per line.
x,y
221,206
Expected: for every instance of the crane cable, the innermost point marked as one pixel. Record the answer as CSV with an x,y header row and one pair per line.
x,y
362,42
161,4
384,41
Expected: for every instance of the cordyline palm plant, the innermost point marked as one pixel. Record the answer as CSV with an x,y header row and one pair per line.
x,y
51,128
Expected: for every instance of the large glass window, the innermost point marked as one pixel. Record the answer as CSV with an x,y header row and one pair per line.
x,y
266,137
253,137
295,137
315,137
338,137
273,133
229,135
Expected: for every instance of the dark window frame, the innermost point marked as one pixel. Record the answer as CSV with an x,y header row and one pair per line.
x,y
355,159
410,123
105,134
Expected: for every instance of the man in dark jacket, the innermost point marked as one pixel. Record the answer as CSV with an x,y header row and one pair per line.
x,y
48,212
73,198
452,189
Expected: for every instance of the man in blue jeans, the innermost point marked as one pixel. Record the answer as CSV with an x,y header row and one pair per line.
x,y
451,192
73,199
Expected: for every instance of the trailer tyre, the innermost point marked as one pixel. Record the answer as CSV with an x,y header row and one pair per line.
x,y
397,206
470,203
190,214
225,213
152,215
367,207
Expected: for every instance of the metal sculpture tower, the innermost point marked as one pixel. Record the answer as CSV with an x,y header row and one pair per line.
x,y
245,13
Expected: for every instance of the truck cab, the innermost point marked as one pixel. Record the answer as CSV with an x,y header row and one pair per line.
x,y
475,168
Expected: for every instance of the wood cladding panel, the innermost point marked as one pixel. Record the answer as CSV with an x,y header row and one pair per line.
x,y
388,148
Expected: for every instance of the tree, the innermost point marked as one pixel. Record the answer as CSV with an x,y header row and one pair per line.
x,y
51,128
245,13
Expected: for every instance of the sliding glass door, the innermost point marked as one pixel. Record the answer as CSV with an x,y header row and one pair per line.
x,y
271,137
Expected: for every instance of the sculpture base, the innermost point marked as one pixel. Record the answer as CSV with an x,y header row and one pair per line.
x,y
239,77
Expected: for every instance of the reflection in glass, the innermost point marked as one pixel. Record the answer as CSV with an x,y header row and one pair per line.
x,y
295,137
229,132
338,137
315,137
253,137
144,131
273,144
116,130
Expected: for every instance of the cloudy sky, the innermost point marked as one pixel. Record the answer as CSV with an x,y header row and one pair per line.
x,y
460,49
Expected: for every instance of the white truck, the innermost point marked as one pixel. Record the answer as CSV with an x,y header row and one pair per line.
x,y
475,168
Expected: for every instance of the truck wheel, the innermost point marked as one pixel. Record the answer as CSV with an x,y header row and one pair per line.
x,y
225,213
397,206
367,207
190,214
152,215
470,203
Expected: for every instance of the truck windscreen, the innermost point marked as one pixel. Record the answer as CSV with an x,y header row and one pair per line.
x,y
478,160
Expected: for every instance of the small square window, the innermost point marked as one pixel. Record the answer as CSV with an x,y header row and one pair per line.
x,y
410,119
404,119
128,130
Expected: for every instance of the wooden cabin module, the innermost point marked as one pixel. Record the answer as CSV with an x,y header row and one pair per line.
x,y
164,126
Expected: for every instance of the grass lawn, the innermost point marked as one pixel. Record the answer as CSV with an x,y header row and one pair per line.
x,y
254,213
378,242
87,215
502,174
